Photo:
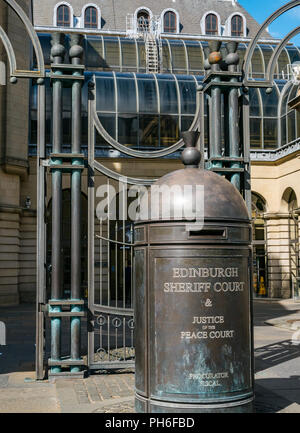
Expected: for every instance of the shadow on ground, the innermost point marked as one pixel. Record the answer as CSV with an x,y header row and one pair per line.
x,y
274,392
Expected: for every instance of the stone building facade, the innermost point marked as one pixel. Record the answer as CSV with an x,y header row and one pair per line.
x,y
113,13
17,224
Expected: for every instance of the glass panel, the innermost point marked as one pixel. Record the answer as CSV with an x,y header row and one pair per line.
x,y
187,90
169,130
298,123
267,53
33,127
257,64
270,103
112,52
179,63
284,101
255,133
283,131
147,95
94,53
142,56
126,95
166,58
283,61
109,124
105,94
148,131
195,57
293,54
186,122
128,129
168,95
241,52
291,126
292,94
254,103
129,59
45,41
270,133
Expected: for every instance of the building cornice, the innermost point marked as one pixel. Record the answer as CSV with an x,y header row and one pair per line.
x,y
276,156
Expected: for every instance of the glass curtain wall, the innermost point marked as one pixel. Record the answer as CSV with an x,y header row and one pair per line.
x,y
113,53
150,111
289,119
145,110
263,118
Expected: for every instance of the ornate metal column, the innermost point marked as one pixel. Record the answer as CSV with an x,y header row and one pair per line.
x,y
228,155
63,75
57,53
75,54
215,103
232,60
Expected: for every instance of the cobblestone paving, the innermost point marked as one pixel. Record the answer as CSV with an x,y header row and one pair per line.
x,y
124,407
105,393
277,378
97,388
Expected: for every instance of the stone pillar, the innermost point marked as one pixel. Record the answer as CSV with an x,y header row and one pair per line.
x,y
278,253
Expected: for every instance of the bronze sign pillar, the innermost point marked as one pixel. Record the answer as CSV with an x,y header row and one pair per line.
x,y
193,318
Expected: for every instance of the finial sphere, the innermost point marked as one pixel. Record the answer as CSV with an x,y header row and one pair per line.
x,y
214,57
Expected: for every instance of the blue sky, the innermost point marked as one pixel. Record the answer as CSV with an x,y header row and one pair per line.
x,y
262,9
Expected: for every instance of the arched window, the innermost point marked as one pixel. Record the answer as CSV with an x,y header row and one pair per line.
x,y
63,17
91,18
170,22
237,25
143,20
211,24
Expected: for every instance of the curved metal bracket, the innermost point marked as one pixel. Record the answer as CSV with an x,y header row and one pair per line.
x,y
14,72
138,153
120,177
276,54
9,51
251,47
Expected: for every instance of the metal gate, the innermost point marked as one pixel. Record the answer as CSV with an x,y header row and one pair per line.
x,y
110,250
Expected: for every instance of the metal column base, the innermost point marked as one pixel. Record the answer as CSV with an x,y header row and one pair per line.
x,y
67,375
148,405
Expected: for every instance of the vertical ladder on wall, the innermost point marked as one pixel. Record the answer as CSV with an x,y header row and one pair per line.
x,y
151,33
152,54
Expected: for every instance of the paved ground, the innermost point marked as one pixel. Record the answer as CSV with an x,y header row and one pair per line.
x,y
277,365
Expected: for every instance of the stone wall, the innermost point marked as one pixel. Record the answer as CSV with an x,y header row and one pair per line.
x,y
13,155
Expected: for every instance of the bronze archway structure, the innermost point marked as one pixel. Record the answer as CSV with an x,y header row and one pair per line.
x,y
235,165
